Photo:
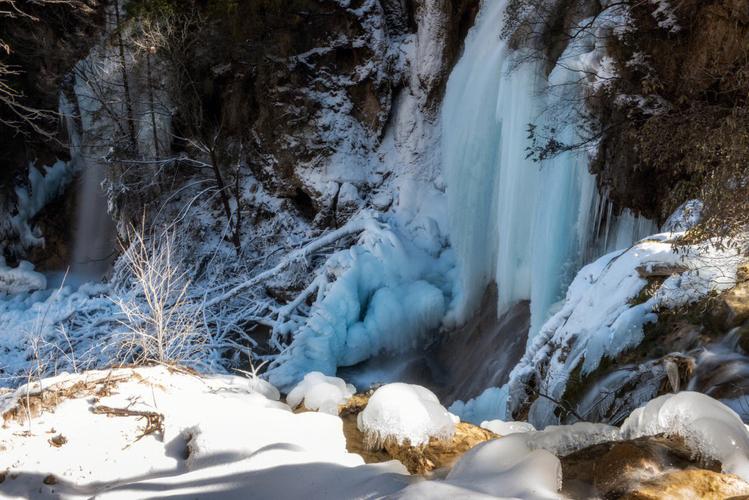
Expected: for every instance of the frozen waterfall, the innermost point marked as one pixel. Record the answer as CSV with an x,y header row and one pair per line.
x,y
525,226
93,235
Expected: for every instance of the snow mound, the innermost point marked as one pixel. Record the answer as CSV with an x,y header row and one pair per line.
x,y
707,425
320,392
505,468
405,412
503,428
22,279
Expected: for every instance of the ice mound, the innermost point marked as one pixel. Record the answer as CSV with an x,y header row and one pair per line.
x,y
506,428
708,426
562,440
320,392
406,412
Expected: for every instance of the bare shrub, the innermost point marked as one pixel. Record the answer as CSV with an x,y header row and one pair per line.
x,y
162,324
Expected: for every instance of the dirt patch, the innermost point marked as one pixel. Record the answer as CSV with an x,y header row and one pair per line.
x,y
36,401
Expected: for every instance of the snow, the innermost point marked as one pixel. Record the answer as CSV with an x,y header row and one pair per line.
x,y
221,437
319,392
21,279
217,435
405,412
707,426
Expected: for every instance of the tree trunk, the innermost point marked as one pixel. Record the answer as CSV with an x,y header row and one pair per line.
x,y
151,104
125,82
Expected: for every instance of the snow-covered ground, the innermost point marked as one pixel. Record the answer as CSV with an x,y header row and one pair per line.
x,y
160,431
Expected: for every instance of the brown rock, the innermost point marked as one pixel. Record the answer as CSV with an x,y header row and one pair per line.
x,y
736,300
437,454
691,483
614,469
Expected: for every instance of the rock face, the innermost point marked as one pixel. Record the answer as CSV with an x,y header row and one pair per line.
x,y
309,80
693,74
301,93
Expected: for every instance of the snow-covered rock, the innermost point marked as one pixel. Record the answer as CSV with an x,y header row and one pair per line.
x,y
320,392
405,412
685,217
708,427
601,316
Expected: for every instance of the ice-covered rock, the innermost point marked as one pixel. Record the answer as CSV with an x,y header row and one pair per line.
x,y
320,392
405,412
382,296
604,313
708,426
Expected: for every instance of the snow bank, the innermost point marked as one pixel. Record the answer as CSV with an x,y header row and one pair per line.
x,y
708,427
218,437
383,295
319,392
21,279
405,412
601,318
